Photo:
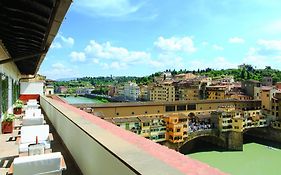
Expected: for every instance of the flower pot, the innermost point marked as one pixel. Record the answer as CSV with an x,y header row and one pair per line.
x,y
17,111
7,127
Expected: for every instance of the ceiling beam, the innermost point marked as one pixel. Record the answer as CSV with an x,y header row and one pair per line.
x,y
21,58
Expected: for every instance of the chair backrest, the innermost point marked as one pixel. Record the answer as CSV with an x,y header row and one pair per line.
x,y
32,100
38,164
32,112
29,133
29,121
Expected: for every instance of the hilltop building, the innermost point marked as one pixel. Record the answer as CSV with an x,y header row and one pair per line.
x,y
163,92
249,86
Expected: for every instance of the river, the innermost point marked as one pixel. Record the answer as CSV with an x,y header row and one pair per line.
x,y
80,100
255,159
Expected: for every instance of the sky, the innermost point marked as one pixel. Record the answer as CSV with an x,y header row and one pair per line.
x,y
141,37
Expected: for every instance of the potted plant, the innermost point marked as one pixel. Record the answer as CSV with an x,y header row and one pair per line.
x,y
8,123
18,107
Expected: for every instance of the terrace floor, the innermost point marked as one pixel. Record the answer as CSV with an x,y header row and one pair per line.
x,y
9,150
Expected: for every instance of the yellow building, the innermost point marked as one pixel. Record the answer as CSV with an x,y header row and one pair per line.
x,y
216,92
144,93
157,129
238,96
276,105
176,127
266,98
229,119
187,90
186,76
128,123
145,126
163,92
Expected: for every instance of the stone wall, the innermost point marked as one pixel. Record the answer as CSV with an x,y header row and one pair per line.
x,y
234,140
267,133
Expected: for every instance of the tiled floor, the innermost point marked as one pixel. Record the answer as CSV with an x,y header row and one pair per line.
x,y
9,150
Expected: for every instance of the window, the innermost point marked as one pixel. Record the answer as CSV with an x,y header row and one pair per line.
x,y
178,130
133,113
146,124
117,113
181,107
191,107
145,112
170,108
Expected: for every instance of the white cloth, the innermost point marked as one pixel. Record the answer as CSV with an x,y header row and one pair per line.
x,y
29,133
38,164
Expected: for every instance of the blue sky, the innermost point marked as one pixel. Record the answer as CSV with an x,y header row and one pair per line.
x,y
140,37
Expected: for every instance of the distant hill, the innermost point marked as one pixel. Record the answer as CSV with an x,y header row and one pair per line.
x,y
243,72
66,79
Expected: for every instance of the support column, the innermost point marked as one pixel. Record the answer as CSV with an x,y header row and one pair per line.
x,y
234,140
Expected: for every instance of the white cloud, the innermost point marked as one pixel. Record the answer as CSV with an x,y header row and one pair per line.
x,y
236,40
270,44
69,41
253,56
77,56
105,51
59,70
273,27
62,42
222,63
56,45
58,66
114,65
205,43
96,61
174,44
215,63
167,61
107,8
217,47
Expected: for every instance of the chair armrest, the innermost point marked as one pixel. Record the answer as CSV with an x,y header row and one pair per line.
x,y
18,140
11,170
62,164
50,137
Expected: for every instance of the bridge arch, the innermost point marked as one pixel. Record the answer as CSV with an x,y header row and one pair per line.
x,y
201,141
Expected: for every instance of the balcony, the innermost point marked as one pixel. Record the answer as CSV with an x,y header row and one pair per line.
x,y
99,147
91,145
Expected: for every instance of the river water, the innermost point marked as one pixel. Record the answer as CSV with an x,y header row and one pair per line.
x,y
80,100
255,159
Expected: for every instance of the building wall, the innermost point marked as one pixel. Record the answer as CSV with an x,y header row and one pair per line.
x,y
189,93
198,107
257,93
266,99
162,93
32,88
248,87
49,91
10,70
276,106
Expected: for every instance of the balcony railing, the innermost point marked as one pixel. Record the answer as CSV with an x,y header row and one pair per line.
x,y
99,147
